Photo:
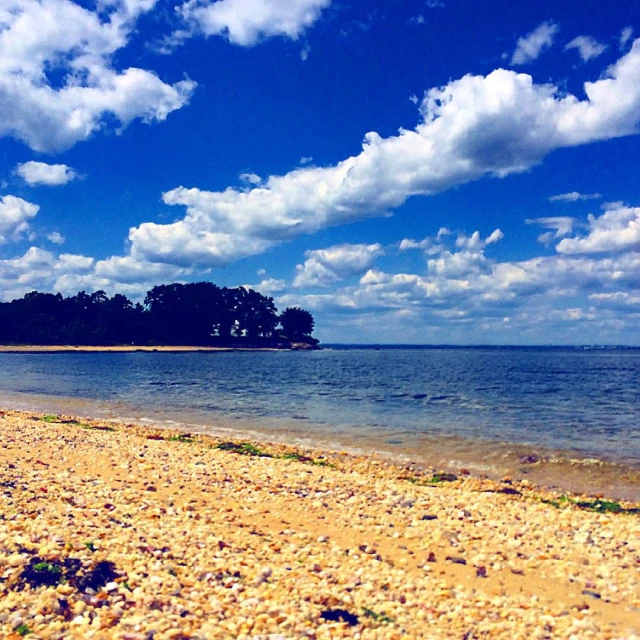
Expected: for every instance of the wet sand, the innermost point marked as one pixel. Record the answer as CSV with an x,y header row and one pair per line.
x,y
147,533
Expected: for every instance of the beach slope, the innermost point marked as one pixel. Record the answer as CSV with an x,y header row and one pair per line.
x,y
125,532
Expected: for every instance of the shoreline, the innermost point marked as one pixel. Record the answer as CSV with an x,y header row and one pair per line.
x,y
277,540
553,468
129,349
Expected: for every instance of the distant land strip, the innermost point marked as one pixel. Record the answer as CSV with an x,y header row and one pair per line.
x,y
136,348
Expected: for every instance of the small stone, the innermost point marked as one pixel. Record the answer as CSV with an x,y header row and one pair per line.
x,y
16,621
16,560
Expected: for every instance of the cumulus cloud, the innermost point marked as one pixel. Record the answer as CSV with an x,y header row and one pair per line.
x,y
268,286
55,237
69,273
529,47
51,175
324,267
475,242
247,22
574,196
38,269
617,229
543,296
559,225
587,47
15,214
428,245
58,84
495,125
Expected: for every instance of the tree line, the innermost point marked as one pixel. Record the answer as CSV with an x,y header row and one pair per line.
x,y
199,313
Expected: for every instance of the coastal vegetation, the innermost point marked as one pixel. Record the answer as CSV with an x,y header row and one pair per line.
x,y
199,313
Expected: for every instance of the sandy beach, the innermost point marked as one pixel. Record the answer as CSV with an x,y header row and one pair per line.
x,y
126,532
66,348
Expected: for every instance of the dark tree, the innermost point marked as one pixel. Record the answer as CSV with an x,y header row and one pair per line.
x,y
198,313
296,323
256,314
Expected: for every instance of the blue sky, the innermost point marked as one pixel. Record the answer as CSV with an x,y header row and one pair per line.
x,y
416,171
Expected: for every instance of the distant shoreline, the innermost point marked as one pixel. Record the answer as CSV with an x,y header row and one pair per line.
x,y
138,348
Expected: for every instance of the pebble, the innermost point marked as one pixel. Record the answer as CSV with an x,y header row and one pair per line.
x,y
257,548
16,560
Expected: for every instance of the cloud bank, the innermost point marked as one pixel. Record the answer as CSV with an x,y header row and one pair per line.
x,y
474,127
463,286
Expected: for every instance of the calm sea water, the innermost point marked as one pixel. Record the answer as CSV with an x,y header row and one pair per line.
x,y
476,407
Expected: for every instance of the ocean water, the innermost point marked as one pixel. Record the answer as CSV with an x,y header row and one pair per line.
x,y
485,409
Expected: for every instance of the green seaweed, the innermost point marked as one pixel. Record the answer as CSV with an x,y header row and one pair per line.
x,y
183,437
50,418
597,505
378,617
243,448
442,477
90,545
293,455
38,573
23,630
47,566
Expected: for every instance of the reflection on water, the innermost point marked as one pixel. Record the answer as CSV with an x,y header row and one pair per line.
x,y
479,408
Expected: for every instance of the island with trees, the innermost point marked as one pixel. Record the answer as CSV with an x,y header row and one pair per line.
x,y
197,314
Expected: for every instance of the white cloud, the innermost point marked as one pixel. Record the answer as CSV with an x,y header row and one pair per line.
x,y
58,84
268,286
250,178
38,269
69,273
541,298
35,173
246,22
475,243
587,47
55,237
625,35
616,299
306,159
473,127
560,226
324,267
530,47
15,214
618,229
574,196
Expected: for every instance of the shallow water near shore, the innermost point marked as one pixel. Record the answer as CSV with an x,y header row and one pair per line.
x,y
563,417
